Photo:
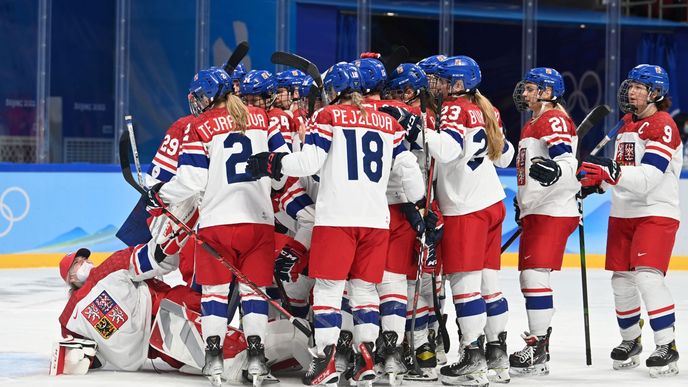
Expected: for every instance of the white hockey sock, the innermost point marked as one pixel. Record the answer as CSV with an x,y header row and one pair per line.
x,y
496,305
327,317
393,301
659,303
420,333
535,286
255,312
469,304
347,317
365,307
626,303
214,300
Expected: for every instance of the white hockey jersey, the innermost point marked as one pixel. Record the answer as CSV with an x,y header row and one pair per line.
x,y
552,136
354,154
164,164
466,178
651,156
213,162
113,308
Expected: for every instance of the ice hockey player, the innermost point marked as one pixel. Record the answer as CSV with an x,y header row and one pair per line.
x,y
468,145
236,214
110,305
351,213
645,205
237,77
547,186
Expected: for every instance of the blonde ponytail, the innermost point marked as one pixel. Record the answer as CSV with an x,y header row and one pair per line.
x,y
357,100
238,111
495,137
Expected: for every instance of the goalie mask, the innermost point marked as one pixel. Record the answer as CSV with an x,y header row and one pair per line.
x,y
653,79
207,87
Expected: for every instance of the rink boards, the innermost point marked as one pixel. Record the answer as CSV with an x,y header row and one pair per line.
x,y
48,210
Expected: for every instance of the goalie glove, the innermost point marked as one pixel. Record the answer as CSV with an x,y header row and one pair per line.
x,y
544,171
596,169
411,123
72,356
265,164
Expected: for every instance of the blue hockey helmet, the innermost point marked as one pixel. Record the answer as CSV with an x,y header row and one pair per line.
x,y
653,77
258,82
239,73
306,85
373,74
289,79
407,75
207,87
342,78
462,68
429,64
545,77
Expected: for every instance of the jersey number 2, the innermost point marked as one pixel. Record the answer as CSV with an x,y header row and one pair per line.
x,y
240,146
372,155
480,138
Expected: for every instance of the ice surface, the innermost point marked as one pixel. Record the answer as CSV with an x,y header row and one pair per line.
x,y
32,299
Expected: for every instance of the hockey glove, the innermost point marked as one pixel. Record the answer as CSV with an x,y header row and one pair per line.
x,y
265,164
600,169
291,261
72,356
153,201
517,212
430,261
545,171
411,123
413,217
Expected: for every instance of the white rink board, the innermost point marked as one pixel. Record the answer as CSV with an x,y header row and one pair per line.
x,y
32,299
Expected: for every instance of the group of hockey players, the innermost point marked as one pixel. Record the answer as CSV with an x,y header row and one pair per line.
x,y
361,209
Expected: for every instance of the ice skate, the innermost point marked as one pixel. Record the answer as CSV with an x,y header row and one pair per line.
x,y
470,371
439,346
393,368
533,359
497,360
663,361
344,357
427,363
363,372
322,370
626,354
256,369
213,367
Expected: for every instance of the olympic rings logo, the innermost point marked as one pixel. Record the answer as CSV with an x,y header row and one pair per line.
x,y
7,212
577,96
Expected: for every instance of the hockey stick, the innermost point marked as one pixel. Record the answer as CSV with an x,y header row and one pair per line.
x,y
593,117
132,141
581,239
419,271
393,60
303,64
239,53
129,178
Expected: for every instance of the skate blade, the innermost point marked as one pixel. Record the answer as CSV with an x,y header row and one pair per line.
x,y
473,379
536,370
394,379
429,375
498,375
632,362
215,380
670,369
364,383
